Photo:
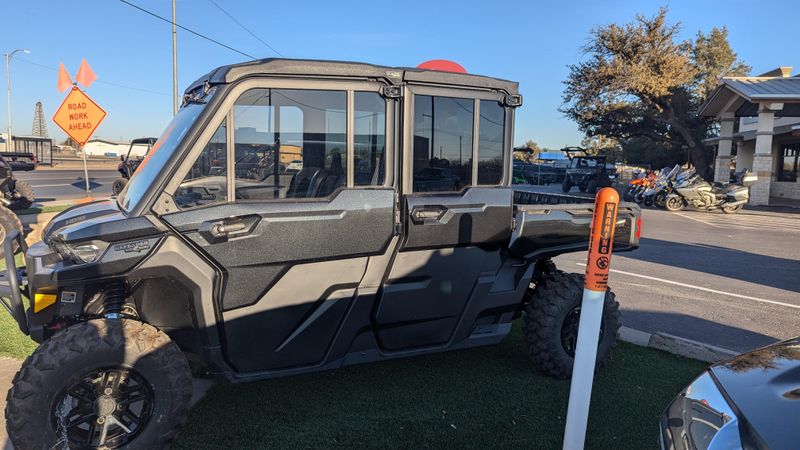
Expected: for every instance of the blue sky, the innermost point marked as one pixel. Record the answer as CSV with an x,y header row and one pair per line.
x,y
531,42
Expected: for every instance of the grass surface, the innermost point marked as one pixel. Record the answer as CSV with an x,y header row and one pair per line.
x,y
13,343
482,398
43,209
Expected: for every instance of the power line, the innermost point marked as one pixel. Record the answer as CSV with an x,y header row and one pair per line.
x,y
109,83
245,28
187,29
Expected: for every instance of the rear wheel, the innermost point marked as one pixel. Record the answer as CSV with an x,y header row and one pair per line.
x,y
551,320
118,185
674,203
9,222
23,195
100,384
591,187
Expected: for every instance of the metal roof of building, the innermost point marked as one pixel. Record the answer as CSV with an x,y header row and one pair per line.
x,y
750,91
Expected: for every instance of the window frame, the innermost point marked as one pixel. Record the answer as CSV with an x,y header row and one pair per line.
x,y
224,112
476,95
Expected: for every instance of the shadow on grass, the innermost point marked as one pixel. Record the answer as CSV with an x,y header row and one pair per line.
x,y
489,397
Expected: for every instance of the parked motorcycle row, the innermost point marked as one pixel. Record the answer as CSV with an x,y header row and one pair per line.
x,y
677,188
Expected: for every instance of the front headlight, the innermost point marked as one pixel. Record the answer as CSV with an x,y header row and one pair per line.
x,y
81,253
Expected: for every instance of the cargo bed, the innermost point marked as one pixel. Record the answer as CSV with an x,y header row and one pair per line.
x,y
547,225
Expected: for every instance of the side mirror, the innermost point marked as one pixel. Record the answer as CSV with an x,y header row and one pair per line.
x,y
122,158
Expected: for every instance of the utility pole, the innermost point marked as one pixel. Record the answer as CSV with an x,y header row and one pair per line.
x,y
174,63
8,81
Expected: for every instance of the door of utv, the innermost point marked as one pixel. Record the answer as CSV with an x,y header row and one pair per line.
x,y
293,244
453,227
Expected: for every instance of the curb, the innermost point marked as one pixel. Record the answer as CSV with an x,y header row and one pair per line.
x,y
676,345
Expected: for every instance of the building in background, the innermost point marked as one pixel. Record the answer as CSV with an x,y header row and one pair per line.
x,y
759,131
112,149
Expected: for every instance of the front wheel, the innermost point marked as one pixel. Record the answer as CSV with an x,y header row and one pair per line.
x,y
591,187
566,185
551,318
674,203
118,185
100,384
732,209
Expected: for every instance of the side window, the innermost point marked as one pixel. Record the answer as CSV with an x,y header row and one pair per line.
x,y
490,143
370,139
206,183
442,143
289,143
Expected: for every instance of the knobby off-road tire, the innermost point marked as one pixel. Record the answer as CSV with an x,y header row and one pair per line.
x,y
24,196
39,389
8,221
550,307
118,185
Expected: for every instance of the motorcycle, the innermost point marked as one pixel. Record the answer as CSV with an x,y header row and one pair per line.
x,y
695,191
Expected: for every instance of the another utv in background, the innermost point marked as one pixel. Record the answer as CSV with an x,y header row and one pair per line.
x,y
398,236
588,173
128,165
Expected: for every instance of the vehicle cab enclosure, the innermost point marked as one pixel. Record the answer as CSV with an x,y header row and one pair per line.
x,y
302,215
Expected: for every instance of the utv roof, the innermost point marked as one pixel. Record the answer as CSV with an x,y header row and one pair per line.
x,y
343,69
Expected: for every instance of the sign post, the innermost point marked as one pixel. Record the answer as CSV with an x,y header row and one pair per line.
x,y
79,116
601,241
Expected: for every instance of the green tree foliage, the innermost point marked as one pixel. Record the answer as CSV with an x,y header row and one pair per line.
x,y
530,154
640,81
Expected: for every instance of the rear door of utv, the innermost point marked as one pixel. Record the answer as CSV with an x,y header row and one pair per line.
x,y
289,195
456,217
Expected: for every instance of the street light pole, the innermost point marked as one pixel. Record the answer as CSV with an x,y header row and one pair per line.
x,y
174,63
8,83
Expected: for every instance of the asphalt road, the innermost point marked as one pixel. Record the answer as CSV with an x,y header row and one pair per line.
x,y
60,185
728,280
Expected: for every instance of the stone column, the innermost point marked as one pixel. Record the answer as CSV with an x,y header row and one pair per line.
x,y
722,164
763,163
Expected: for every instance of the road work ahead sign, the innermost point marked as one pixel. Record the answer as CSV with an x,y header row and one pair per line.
x,y
79,116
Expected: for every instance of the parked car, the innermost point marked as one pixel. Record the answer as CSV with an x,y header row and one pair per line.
x,y
298,273
751,401
22,161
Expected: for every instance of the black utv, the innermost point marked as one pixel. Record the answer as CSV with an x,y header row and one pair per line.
x,y
588,173
127,165
395,234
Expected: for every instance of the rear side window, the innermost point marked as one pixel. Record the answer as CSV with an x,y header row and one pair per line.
x,y
442,143
289,143
370,139
490,143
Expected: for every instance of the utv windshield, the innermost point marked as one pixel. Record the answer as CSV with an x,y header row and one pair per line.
x,y
163,150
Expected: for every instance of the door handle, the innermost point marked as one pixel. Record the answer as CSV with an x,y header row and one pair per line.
x,y
427,214
221,230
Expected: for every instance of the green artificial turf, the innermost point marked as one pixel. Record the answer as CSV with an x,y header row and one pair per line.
x,y
13,343
482,398
43,209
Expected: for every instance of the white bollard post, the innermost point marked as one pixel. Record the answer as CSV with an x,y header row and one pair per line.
x,y
601,240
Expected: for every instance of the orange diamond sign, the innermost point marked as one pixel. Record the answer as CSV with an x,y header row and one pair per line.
x,y
79,116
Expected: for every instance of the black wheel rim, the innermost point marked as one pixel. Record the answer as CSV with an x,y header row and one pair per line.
x,y
106,408
569,330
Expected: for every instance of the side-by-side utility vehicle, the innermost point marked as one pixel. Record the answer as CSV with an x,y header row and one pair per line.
x,y
397,234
